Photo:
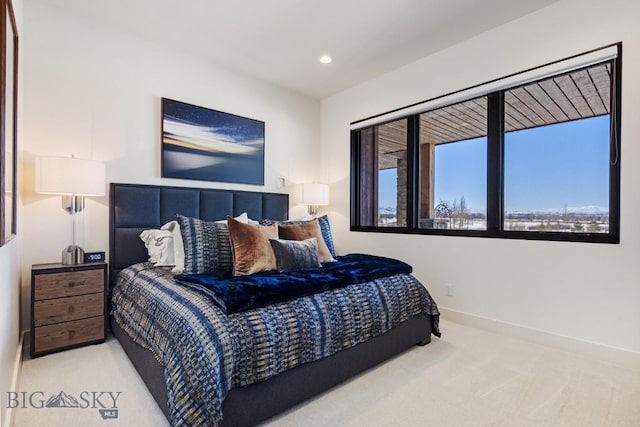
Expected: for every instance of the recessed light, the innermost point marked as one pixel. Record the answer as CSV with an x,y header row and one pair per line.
x,y
326,59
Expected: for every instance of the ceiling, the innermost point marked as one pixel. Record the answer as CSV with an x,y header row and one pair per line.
x,y
280,41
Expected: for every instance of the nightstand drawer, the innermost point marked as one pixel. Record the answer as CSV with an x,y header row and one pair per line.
x,y
66,309
68,334
57,285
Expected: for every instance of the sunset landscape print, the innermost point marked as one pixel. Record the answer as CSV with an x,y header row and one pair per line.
x,y
203,144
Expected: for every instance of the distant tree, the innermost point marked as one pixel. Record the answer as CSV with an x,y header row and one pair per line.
x,y
454,211
443,211
463,213
457,212
460,213
593,227
577,227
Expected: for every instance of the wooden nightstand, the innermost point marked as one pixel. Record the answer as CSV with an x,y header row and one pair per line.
x,y
68,306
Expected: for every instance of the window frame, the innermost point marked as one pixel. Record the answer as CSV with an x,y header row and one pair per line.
x,y
495,167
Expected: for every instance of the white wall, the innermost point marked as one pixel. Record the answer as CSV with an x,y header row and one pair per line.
x,y
9,317
588,292
95,92
10,260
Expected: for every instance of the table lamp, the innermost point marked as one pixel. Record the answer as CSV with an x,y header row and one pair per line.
x,y
314,195
74,179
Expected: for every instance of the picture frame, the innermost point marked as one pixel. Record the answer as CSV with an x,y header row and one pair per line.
x,y
199,143
8,122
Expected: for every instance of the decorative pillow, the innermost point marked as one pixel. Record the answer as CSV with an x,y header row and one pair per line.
x,y
178,247
250,246
159,245
292,255
325,228
243,218
303,231
206,246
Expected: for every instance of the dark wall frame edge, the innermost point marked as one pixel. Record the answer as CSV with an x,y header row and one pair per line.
x,y
7,14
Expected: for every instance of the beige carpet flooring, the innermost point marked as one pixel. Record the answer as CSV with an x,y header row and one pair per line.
x,y
468,378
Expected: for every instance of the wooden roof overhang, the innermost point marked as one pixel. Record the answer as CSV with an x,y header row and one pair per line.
x,y
573,96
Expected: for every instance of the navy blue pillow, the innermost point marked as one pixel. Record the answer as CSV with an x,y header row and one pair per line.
x,y
325,229
206,246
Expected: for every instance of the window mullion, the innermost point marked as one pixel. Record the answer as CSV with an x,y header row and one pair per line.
x,y
413,171
614,147
355,181
495,162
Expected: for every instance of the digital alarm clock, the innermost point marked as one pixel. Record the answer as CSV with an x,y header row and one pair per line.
x,y
94,257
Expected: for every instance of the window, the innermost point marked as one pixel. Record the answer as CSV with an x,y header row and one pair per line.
x,y
383,175
534,160
556,153
453,166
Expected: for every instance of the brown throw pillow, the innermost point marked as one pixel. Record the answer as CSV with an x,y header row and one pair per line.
x,y
251,249
306,231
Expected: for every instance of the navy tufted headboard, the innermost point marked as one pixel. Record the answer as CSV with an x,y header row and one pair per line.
x,y
137,207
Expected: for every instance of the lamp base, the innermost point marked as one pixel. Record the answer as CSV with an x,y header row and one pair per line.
x,y
72,255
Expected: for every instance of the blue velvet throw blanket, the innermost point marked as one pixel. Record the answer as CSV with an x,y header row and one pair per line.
x,y
235,294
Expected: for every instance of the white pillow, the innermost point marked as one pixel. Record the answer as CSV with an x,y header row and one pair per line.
x,y
178,247
243,218
159,244
165,246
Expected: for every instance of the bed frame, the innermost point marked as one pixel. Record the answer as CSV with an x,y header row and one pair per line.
x,y
134,208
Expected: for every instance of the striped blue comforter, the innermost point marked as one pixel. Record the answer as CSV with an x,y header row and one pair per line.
x,y
206,352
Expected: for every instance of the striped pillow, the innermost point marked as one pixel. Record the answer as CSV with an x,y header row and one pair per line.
x,y
292,255
325,228
206,246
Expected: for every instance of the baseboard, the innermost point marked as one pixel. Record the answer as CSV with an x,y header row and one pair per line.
x,y
15,381
618,356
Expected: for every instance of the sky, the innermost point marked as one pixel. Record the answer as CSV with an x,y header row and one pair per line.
x,y
205,123
546,169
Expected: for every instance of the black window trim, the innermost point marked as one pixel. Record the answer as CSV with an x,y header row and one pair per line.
x,y
495,166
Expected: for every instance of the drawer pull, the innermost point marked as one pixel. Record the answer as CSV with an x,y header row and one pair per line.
x,y
71,308
74,284
72,334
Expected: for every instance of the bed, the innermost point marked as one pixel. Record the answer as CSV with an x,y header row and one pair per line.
x,y
134,208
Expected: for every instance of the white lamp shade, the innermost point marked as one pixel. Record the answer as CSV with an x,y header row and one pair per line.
x,y
69,175
315,194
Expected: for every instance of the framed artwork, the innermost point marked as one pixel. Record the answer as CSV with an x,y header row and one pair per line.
x,y
8,121
209,145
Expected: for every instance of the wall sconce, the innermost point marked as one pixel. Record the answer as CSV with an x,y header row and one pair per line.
x,y
314,195
73,179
